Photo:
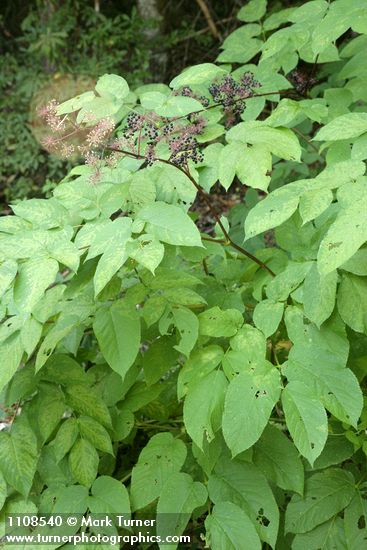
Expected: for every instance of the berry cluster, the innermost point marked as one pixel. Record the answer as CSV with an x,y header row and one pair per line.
x,y
231,94
143,133
301,81
134,121
183,149
151,132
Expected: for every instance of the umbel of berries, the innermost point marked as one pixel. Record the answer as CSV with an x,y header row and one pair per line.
x,y
232,94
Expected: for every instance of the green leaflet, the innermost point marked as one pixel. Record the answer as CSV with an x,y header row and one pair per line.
x,y
275,209
229,527
34,277
208,458
336,21
140,395
86,401
65,438
359,149
30,335
328,534
162,456
254,166
355,521
72,500
159,358
184,297
337,450
117,329
187,324
352,302
326,494
142,189
179,497
198,74
95,433
203,407
313,203
250,342
8,271
282,142
216,322
250,399
244,485
201,363
3,490
109,496
317,359
318,294
110,240
346,126
62,327
148,253
306,419
170,106
345,236
239,47
49,399
169,278
267,316
62,369
228,159
288,280
42,213
123,424
338,389
22,384
83,462
18,457
254,11
11,351
168,223
172,187
75,103
112,87
357,264
278,459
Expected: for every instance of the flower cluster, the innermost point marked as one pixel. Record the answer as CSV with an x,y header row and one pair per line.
x,y
49,114
67,137
100,132
54,142
231,94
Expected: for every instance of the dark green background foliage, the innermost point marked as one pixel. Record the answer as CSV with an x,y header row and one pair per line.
x,y
151,367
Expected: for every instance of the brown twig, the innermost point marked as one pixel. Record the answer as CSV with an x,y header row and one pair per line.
x,y
211,24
